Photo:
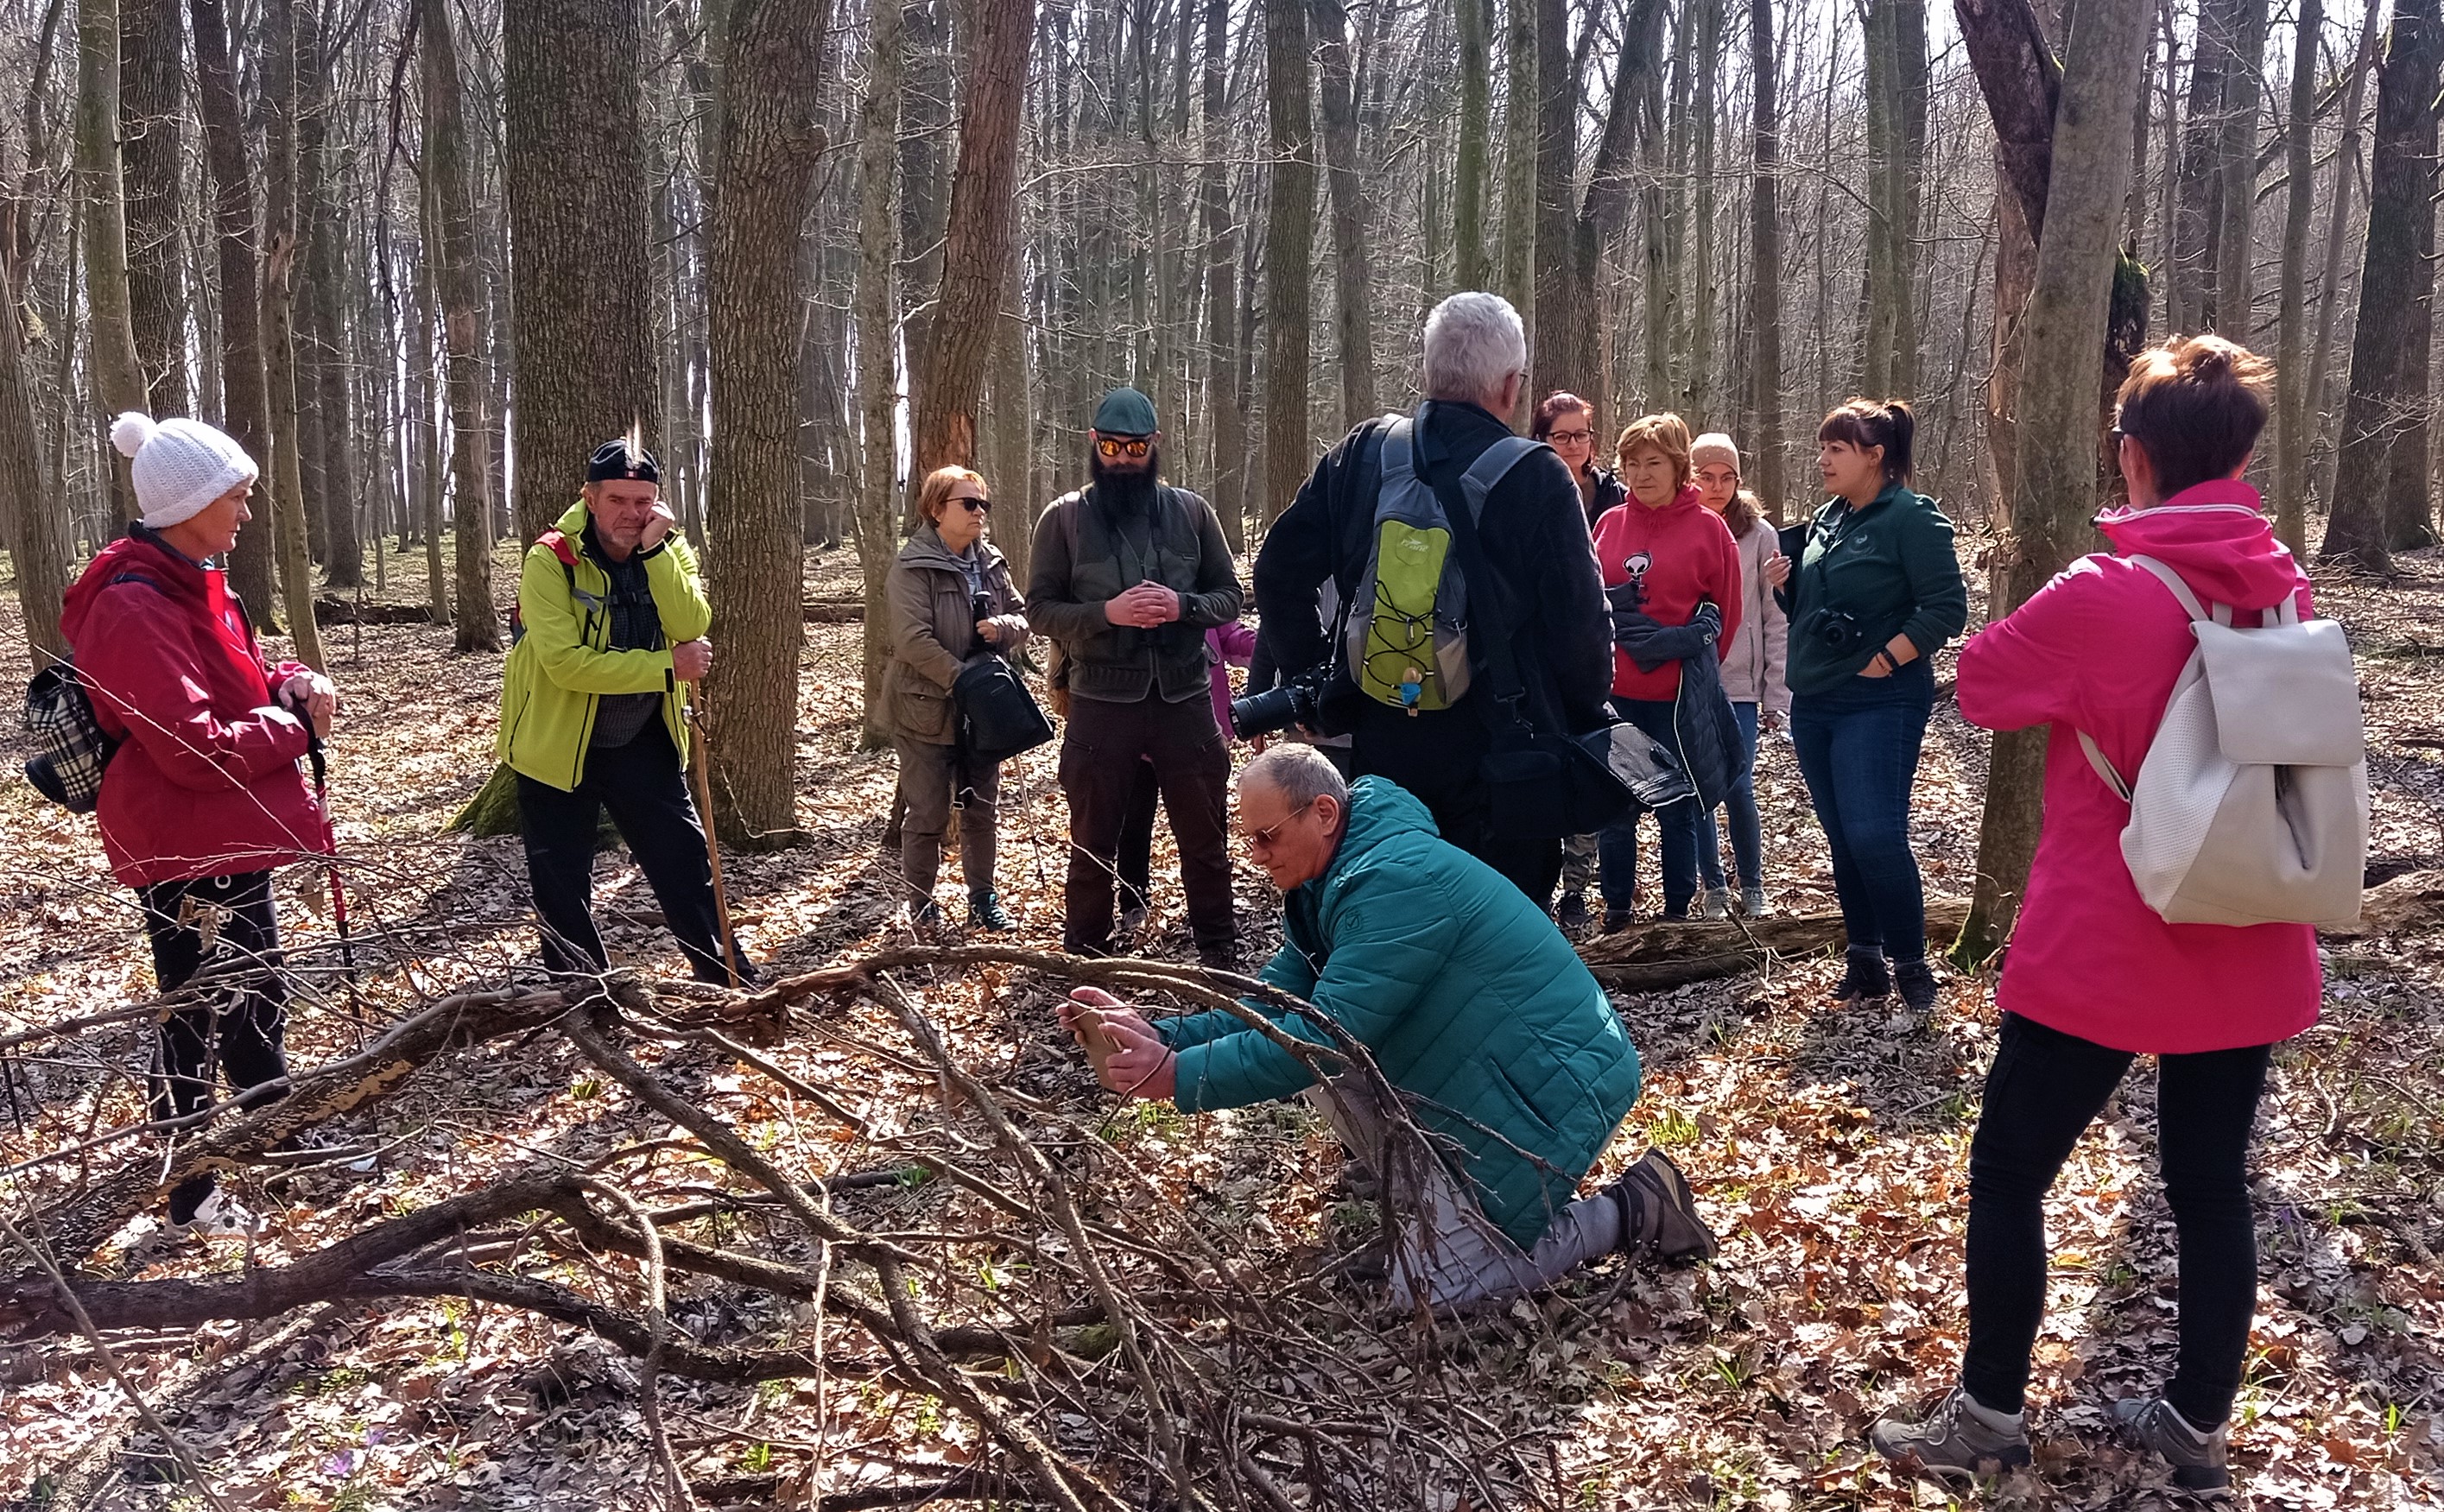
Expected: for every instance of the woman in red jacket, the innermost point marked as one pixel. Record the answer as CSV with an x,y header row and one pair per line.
x,y
202,797
2095,978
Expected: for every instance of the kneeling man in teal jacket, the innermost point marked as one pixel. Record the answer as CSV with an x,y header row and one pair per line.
x,y
1479,1014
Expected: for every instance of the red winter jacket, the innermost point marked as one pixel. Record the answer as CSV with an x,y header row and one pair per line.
x,y
2099,649
1689,554
205,782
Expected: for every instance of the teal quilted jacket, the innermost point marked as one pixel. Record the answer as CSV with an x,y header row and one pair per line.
x,y
1470,999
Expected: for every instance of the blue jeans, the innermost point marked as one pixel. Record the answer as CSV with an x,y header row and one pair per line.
x,y
1858,747
1748,831
1616,843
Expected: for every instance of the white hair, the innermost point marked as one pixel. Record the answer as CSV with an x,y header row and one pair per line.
x,y
1299,773
1474,342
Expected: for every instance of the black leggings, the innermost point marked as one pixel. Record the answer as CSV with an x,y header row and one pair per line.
x,y
2044,1089
225,923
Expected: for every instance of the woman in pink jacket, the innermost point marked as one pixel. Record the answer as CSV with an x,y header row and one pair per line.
x,y
2094,977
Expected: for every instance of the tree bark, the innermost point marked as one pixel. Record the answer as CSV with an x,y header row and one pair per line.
x,y
2384,412
1562,348
1475,146
2197,221
980,235
449,247
2059,432
1352,281
284,476
1765,262
1521,127
2338,224
770,145
2291,424
1290,252
1223,362
2237,171
152,68
877,389
584,365
38,528
118,377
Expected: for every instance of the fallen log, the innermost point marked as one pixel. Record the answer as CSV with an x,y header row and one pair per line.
x,y
835,611
1658,956
333,611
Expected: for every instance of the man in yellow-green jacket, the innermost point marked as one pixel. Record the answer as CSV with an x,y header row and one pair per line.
x,y
611,620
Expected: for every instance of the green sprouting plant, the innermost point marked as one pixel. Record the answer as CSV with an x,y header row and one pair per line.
x,y
1672,1128
756,1459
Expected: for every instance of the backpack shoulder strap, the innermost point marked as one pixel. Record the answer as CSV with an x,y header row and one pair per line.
x,y
2104,769
1400,449
1492,465
1067,507
2181,589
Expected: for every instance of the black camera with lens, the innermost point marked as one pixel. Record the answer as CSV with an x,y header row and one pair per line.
x,y
1837,631
1292,701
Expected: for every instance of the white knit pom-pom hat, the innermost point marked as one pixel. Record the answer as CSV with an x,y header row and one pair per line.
x,y
179,466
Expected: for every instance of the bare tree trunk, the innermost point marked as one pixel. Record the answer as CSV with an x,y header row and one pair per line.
x,y
118,378
2198,217
1765,263
2236,172
284,477
450,248
152,68
981,232
38,528
585,368
878,389
331,450
769,144
1289,253
1222,335
1561,339
1353,284
2385,415
2060,428
2338,224
1520,129
1010,431
2291,429
1476,144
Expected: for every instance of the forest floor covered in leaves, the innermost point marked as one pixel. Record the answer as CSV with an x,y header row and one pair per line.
x,y
1828,1148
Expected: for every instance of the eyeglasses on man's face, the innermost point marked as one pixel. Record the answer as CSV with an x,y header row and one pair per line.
x,y
1262,840
1116,445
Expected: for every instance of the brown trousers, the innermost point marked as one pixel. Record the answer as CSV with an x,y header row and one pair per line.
x,y
1100,760
927,775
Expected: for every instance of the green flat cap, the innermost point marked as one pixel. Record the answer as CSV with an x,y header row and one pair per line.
x,y
1125,412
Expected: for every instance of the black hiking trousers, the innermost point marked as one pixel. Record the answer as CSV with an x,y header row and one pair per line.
x,y
224,923
2044,1089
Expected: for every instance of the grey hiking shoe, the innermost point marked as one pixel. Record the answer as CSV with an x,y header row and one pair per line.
x,y
2197,1459
1752,902
1716,904
1952,1443
1658,1216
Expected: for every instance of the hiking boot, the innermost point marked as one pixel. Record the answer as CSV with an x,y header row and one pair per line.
x,y
1132,919
926,915
1658,1215
220,1218
986,912
1717,903
1752,902
1915,981
1571,914
1867,979
1221,956
1958,1441
1615,920
2197,1459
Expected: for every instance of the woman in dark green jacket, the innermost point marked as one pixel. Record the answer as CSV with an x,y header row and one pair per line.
x,y
1878,591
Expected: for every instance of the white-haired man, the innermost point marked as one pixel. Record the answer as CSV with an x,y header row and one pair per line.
x,y
1533,538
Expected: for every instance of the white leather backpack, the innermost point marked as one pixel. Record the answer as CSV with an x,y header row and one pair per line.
x,y
2252,806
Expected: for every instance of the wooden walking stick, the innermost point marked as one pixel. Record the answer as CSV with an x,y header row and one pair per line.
x,y
699,761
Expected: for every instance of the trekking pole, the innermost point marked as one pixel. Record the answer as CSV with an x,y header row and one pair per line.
x,y
339,893
699,762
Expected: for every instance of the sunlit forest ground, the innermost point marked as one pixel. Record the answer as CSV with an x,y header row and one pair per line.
x,y
1827,1147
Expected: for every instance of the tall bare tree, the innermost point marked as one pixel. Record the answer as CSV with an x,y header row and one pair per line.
x,y
1353,290
1290,252
449,251
2293,425
1764,259
284,476
118,378
1471,270
877,382
152,68
245,404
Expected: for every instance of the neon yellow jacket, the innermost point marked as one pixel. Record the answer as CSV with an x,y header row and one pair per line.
x,y
560,667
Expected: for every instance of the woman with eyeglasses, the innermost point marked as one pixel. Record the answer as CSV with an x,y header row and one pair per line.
x,y
1567,424
950,601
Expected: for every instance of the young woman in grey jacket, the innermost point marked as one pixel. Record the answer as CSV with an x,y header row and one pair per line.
x,y
1751,671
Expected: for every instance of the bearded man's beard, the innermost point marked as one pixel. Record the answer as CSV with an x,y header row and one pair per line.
x,y
1127,492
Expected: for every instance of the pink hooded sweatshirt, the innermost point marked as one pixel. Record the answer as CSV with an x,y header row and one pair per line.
x,y
2099,649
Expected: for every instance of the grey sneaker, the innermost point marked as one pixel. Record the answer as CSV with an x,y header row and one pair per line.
x,y
2197,1459
1952,1443
1752,902
1717,903
1658,1216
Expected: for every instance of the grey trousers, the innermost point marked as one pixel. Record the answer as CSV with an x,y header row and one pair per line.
x,y
1578,862
927,774
1446,1249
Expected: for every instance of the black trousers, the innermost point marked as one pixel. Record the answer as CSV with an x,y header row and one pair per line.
x,y
2044,1089
645,790
1137,840
225,923
1104,748
1438,758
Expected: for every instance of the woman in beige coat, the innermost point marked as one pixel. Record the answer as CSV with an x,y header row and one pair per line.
x,y
951,602
1752,671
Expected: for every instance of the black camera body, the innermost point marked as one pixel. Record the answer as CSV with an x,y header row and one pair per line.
x,y
1292,701
1837,631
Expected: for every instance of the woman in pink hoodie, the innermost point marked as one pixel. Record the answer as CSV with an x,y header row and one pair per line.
x,y
2094,977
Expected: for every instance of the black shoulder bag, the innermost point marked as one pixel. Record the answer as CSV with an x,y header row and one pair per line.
x,y
1539,784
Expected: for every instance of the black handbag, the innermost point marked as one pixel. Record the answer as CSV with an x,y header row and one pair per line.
x,y
999,717
1540,785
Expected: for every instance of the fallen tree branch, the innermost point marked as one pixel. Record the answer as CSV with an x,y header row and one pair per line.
x,y
1664,955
